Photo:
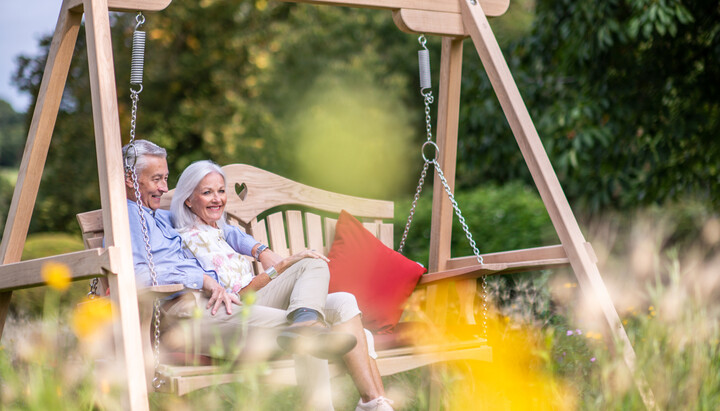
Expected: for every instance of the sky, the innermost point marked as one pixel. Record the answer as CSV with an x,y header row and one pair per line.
x,y
22,24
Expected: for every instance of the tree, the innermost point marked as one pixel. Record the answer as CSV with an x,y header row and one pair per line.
x,y
234,81
625,98
12,136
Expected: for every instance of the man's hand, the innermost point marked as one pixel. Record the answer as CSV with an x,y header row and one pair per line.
x,y
218,295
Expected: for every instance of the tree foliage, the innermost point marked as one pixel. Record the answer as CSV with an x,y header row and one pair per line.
x,y
234,81
12,135
624,95
12,141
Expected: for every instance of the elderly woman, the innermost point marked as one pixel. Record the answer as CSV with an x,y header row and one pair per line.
x,y
291,292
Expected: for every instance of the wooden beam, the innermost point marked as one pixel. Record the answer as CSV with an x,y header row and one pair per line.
x,y
492,7
545,179
517,256
112,195
83,264
124,5
429,22
38,142
471,273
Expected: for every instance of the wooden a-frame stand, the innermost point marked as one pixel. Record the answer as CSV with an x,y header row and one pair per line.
x,y
452,19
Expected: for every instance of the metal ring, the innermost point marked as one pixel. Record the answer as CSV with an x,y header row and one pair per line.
x,y
422,40
126,158
157,382
432,143
140,19
136,92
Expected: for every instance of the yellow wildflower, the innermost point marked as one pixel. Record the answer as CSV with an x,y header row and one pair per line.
x,y
56,275
91,316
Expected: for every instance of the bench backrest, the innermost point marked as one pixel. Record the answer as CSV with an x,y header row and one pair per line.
x,y
286,215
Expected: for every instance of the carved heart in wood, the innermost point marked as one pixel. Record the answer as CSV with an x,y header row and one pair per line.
x,y
241,190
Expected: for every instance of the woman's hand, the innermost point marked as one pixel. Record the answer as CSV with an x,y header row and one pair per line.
x,y
218,295
289,261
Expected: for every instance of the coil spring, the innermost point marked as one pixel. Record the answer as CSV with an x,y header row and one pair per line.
x,y
138,58
424,66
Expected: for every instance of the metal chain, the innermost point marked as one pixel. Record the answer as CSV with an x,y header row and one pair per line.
x,y
468,235
134,97
414,204
157,381
93,288
428,99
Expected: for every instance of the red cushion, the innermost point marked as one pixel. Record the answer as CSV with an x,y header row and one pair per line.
x,y
380,278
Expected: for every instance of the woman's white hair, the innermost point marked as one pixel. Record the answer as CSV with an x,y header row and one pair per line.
x,y
182,216
140,150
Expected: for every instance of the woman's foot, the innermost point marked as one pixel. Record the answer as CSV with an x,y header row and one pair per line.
x,y
314,338
377,404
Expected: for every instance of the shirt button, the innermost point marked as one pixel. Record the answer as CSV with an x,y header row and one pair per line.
x,y
194,285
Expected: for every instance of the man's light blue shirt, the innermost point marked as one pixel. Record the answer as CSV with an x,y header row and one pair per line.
x,y
172,266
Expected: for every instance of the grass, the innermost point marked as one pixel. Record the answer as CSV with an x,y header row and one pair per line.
x,y
548,348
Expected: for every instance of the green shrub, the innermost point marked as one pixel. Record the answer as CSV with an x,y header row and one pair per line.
x,y
502,218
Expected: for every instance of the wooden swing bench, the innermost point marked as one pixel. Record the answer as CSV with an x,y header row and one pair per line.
x,y
254,196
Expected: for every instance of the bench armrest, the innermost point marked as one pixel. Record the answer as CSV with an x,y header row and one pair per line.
x,y
463,273
159,291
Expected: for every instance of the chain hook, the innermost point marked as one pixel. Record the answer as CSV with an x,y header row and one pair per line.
x,y
422,40
140,19
157,382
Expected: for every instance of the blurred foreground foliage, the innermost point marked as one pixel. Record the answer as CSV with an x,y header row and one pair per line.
x,y
557,360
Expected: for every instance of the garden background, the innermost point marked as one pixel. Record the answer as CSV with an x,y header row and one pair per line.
x,y
626,99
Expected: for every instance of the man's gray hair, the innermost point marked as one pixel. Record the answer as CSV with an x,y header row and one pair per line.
x,y
142,149
182,216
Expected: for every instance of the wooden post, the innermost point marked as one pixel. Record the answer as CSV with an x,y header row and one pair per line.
x,y
38,143
112,194
447,127
546,180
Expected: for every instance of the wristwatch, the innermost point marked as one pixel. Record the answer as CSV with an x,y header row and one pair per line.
x,y
259,250
271,272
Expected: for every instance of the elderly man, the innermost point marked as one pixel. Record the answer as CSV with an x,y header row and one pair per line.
x,y
172,266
